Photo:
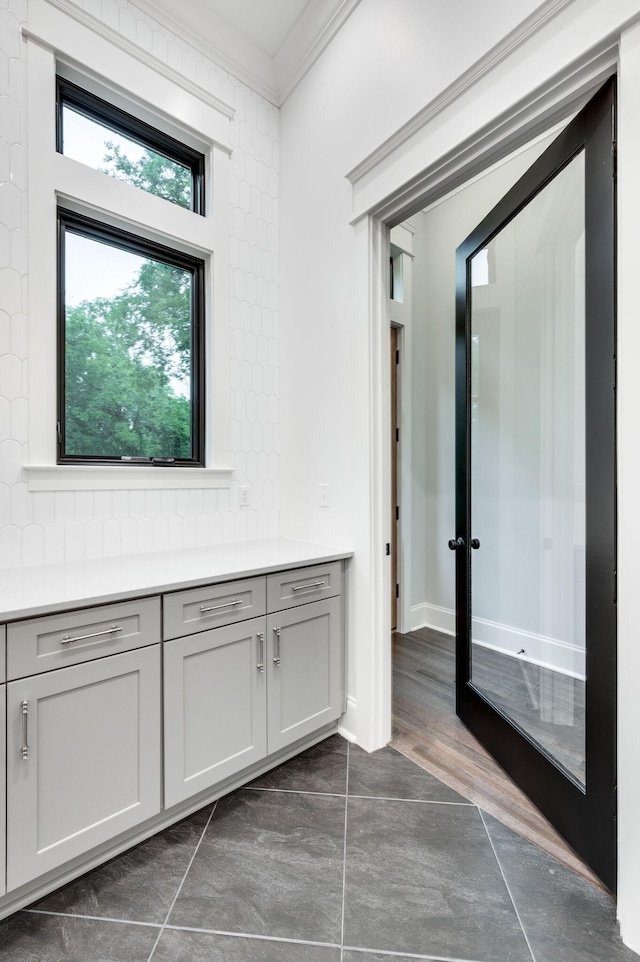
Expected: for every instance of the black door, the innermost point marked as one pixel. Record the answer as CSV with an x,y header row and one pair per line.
x,y
535,483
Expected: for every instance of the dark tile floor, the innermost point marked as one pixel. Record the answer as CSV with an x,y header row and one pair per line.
x,y
336,856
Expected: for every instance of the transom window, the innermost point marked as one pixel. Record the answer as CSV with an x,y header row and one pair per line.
x,y
114,142
131,348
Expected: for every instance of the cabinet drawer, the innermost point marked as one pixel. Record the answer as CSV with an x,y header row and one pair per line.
x,y
57,641
187,612
286,589
3,635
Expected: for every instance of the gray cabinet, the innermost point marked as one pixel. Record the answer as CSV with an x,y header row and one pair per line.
x,y
288,589
214,707
235,694
3,794
57,641
83,759
97,708
3,771
305,667
188,612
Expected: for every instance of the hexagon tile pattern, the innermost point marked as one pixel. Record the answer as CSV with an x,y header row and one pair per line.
x,y
45,527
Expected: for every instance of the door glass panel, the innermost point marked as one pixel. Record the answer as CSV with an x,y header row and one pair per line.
x,y
528,470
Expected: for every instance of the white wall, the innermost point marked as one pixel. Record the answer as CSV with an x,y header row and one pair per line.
x,y
360,91
378,71
43,527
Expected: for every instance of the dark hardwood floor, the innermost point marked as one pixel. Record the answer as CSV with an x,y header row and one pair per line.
x,y
427,730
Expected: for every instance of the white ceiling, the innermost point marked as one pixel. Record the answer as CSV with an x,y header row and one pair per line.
x,y
268,44
265,22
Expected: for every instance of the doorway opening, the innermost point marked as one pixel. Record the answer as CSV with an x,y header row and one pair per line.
x,y
423,655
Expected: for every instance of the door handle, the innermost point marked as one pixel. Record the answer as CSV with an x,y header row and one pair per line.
x,y
459,543
225,604
276,647
24,711
260,665
68,640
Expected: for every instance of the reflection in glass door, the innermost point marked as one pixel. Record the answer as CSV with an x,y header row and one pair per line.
x,y
528,469
535,483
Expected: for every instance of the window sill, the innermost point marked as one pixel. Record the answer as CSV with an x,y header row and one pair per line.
x,y
66,477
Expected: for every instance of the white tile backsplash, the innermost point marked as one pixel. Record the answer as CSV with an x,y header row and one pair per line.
x,y
11,546
41,527
93,539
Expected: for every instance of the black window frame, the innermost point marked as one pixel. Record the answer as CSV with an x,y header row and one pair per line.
x,y
124,240
120,122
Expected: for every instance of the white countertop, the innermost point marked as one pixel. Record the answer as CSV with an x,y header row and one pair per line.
x,y
29,591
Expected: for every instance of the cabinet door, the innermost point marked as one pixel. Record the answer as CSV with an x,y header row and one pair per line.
x,y
304,664
2,787
215,706
83,759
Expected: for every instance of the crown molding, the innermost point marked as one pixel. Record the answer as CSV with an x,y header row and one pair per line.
x,y
272,77
311,33
71,9
454,91
218,40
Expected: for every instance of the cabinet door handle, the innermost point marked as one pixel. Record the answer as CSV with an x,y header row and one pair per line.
x,y
225,604
313,584
68,640
24,708
276,646
260,665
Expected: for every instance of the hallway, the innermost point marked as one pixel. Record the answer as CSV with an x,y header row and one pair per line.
x,y
336,856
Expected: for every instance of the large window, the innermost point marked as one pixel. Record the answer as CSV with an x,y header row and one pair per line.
x,y
130,310
129,278
130,336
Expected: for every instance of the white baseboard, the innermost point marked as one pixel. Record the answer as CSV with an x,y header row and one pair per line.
x,y
433,616
345,723
540,650
560,656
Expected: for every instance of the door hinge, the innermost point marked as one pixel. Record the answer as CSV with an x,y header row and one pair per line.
x,y
397,590
397,434
387,548
613,125
397,512
397,357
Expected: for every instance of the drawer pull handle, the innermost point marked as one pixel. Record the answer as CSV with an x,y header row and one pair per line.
x,y
68,640
313,584
260,665
24,708
276,646
225,604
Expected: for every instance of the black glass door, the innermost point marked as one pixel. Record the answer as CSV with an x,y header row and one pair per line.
x,y
535,483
